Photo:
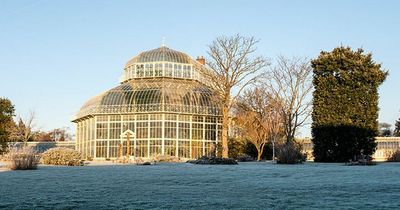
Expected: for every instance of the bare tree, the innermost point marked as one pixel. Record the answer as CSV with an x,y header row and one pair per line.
x,y
290,82
250,129
275,123
232,64
25,129
258,118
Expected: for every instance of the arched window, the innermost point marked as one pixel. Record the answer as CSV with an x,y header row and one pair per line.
x,y
158,69
139,70
149,70
189,72
168,70
177,70
186,71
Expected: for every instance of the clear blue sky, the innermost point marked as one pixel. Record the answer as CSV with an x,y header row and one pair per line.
x,y
55,55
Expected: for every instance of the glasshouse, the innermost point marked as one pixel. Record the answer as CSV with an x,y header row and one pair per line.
x,y
163,106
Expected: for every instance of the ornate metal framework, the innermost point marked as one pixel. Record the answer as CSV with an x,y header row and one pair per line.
x,y
164,99
153,95
163,62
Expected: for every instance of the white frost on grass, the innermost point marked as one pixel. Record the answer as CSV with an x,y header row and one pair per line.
x,y
184,186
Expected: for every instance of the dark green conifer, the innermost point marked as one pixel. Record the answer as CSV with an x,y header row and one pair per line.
x,y
6,114
345,104
396,131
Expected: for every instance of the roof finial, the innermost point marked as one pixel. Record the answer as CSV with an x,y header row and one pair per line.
x,y
163,42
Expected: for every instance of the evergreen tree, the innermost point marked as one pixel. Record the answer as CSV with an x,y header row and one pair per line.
x,y
6,122
384,129
396,131
345,104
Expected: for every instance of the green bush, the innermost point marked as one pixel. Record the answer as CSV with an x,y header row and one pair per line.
x,y
239,148
290,153
236,147
22,158
62,156
394,157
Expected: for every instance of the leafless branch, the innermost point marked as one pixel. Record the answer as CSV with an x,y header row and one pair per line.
x,y
232,64
291,83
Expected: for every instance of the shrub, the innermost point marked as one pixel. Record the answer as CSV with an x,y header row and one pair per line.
x,y
394,157
236,147
165,158
290,153
214,161
22,158
62,156
244,158
239,147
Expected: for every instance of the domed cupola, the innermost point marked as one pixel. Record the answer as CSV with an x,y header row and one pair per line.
x,y
157,80
160,54
162,62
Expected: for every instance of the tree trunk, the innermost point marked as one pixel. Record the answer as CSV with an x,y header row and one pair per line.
x,y
273,149
289,138
260,150
225,126
259,153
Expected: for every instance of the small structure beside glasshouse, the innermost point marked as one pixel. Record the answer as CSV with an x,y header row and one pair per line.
x,y
385,147
165,102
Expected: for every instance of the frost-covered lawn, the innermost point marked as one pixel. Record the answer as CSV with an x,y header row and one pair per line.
x,y
183,186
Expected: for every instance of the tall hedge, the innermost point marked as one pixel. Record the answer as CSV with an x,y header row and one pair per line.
x,y
345,104
396,131
6,115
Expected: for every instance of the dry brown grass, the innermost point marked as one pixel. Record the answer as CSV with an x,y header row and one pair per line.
x,y
22,158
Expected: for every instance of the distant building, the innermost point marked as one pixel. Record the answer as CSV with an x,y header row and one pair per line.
x,y
385,147
163,99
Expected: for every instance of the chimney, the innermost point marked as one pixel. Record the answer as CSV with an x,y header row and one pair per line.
x,y
201,60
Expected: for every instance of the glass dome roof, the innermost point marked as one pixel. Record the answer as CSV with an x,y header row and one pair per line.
x,y
156,95
160,54
158,80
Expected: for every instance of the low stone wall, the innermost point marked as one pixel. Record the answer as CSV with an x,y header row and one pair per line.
x,y
43,146
385,147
